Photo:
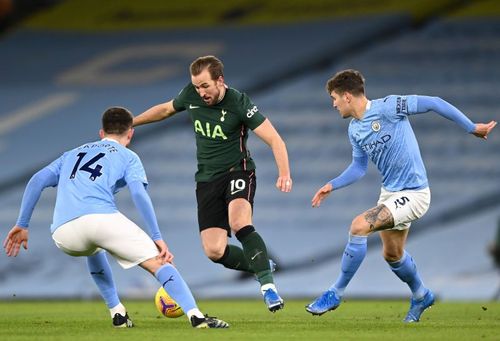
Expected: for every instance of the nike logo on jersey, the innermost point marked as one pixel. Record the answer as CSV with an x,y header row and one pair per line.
x,y
258,253
193,106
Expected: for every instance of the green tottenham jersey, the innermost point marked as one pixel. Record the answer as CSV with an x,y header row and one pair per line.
x,y
221,131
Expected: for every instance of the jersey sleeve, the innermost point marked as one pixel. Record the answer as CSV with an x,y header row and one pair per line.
x,y
143,203
357,151
355,171
135,170
56,165
180,100
250,114
445,109
38,182
397,107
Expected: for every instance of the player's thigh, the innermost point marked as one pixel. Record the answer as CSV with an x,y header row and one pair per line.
x,y
212,206
240,214
240,193
123,239
375,219
405,206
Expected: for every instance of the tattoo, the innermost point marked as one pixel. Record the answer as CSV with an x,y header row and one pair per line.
x,y
379,218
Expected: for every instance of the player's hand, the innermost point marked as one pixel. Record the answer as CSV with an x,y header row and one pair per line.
x,y
321,195
16,237
483,129
284,183
165,256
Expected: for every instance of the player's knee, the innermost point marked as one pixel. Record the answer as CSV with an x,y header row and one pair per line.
x,y
213,252
151,265
392,255
359,227
237,224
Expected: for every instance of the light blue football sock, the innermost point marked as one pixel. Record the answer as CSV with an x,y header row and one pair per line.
x,y
100,270
176,287
354,253
406,270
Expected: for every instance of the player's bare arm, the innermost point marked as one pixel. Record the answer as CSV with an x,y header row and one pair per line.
x,y
321,195
270,136
379,218
16,237
483,129
157,113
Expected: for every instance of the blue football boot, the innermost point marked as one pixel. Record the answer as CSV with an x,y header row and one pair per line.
x,y
418,307
273,301
329,300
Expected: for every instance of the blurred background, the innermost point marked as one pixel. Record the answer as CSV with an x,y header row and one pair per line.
x,y
62,63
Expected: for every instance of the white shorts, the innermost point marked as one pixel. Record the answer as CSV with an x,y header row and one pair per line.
x,y
115,233
405,206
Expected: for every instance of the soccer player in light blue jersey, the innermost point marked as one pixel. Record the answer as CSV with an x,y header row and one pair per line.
x,y
380,131
87,223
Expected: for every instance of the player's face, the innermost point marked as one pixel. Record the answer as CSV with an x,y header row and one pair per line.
x,y
210,90
341,102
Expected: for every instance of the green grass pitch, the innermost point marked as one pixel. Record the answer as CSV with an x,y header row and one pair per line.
x,y
250,320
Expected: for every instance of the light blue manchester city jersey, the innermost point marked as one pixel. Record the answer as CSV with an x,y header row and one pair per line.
x,y
386,136
89,176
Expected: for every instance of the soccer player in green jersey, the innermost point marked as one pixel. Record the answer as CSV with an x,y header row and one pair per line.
x,y
226,180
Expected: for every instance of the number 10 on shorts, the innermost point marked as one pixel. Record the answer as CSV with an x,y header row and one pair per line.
x,y
237,185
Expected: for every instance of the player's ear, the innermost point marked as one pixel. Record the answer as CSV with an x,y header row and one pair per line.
x,y
130,133
101,133
347,97
220,80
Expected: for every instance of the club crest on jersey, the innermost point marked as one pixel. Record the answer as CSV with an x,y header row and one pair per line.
x,y
375,125
224,112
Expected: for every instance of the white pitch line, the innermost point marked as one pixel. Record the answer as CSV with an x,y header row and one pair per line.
x,y
43,107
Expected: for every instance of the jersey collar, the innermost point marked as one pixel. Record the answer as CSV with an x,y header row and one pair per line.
x,y
109,139
225,92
